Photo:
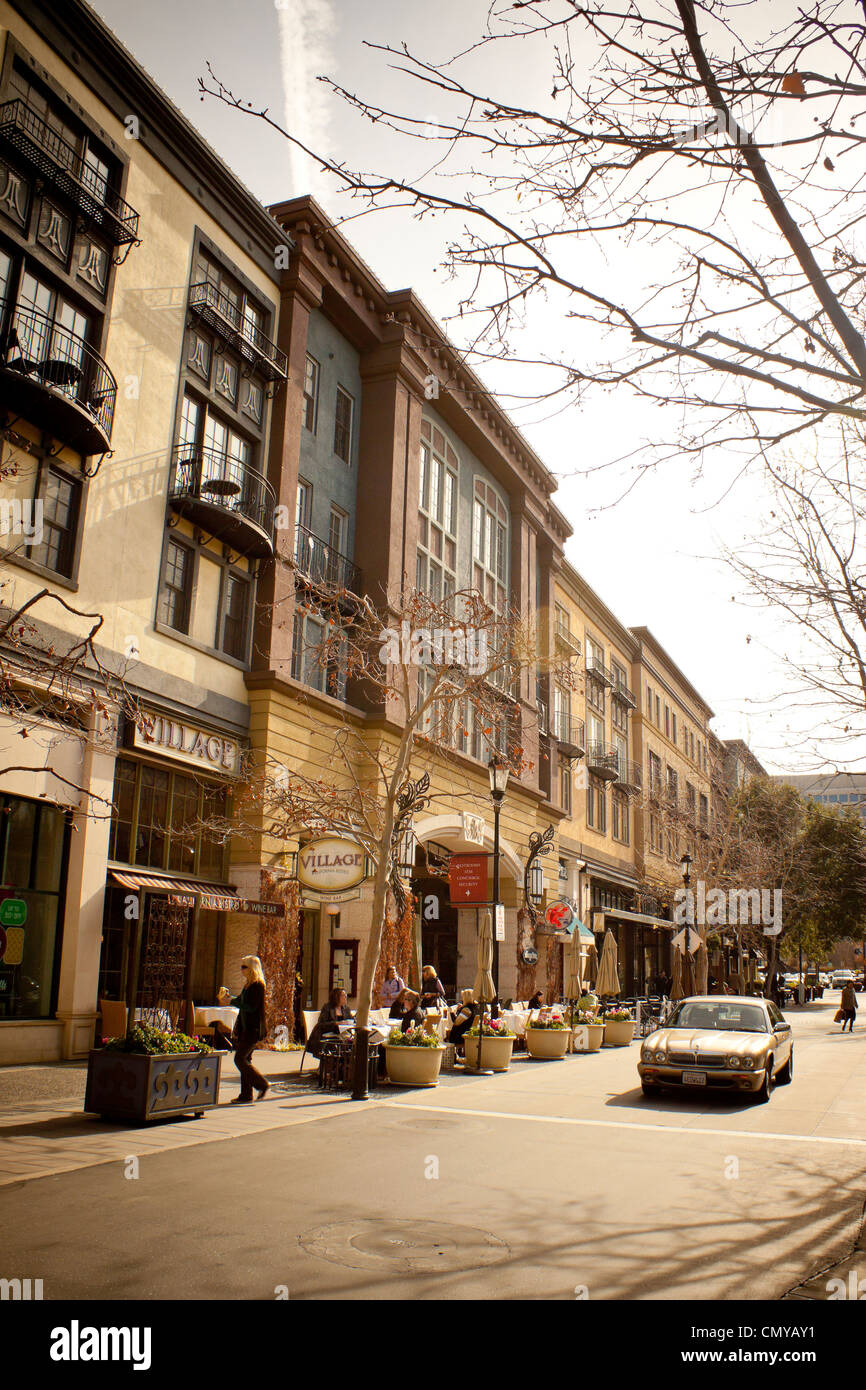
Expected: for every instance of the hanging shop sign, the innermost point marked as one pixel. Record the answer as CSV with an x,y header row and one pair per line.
x,y
467,878
331,865
560,919
499,922
226,902
530,955
188,743
349,896
473,828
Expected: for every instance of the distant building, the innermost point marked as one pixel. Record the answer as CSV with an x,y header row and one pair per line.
x,y
739,763
840,789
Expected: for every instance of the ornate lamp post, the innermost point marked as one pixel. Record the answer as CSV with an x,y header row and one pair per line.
x,y
686,866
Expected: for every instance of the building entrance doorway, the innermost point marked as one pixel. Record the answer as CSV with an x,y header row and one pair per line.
x,y
438,930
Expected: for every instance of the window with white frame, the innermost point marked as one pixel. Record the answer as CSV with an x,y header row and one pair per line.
x,y
436,565
490,545
344,412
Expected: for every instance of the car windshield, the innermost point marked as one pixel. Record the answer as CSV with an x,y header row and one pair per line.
x,y
722,1017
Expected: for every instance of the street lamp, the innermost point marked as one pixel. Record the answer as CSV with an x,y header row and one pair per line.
x,y
686,866
498,771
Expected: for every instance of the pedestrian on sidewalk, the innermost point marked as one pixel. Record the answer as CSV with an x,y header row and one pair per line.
x,y
849,1006
250,1029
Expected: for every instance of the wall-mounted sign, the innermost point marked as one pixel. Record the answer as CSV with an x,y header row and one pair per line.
x,y
328,899
561,917
473,828
13,912
530,955
202,748
499,922
331,865
467,878
11,945
226,902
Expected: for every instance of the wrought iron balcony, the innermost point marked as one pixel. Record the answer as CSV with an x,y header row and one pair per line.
x,y
569,733
598,671
602,761
227,319
620,691
566,637
225,497
629,775
30,141
320,564
54,379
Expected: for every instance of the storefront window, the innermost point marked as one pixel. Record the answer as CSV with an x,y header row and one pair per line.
x,y
33,840
156,816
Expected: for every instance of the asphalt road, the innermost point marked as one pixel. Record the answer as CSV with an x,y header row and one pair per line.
x,y
553,1181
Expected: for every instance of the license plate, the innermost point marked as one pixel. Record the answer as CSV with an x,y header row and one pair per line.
x,y
694,1078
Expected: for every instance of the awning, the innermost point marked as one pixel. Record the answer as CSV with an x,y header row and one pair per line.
x,y
641,918
162,883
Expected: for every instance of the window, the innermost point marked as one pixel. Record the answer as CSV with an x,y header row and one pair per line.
x,y
667,722
314,664
655,774
658,712
565,784
337,532
33,845
234,616
489,545
304,512
673,784
619,715
436,566
649,702
155,812
655,833
601,808
590,803
60,496
225,455
343,425
674,728
174,598
704,809
311,394
620,818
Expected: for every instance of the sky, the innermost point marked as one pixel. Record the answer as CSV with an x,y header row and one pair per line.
x,y
654,554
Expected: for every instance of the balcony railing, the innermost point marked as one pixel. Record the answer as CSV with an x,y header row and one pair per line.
x,y
54,378
620,691
598,670
602,761
32,142
566,637
569,733
227,319
629,775
319,563
225,496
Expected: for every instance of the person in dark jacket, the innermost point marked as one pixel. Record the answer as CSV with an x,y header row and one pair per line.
x,y
848,1003
537,1000
250,1029
463,1019
413,1015
432,993
335,1012
396,1009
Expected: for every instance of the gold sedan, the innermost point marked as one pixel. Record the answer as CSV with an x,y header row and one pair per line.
x,y
730,1042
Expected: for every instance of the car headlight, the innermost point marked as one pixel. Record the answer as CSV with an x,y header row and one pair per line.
x,y
734,1062
747,1063
661,1056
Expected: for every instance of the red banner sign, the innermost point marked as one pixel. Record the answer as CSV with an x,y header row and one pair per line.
x,y
467,878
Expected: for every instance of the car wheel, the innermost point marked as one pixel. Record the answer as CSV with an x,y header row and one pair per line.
x,y
786,1075
763,1095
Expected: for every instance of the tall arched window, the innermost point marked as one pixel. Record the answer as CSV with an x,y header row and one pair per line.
x,y
436,571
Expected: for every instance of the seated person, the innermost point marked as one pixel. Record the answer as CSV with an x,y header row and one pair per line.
x,y
336,1011
396,1009
537,1000
413,1015
463,1018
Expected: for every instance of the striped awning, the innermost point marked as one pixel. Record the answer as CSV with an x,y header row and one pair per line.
x,y
161,883
619,915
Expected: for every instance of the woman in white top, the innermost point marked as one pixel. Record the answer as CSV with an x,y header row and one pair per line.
x,y
391,987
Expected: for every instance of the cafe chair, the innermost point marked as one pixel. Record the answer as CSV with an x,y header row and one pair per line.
x,y
113,1014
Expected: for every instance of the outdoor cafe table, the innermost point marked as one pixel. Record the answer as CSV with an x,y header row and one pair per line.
x,y
226,1015
515,1019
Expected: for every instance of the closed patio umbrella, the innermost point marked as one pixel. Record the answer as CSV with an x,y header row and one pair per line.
x,y
573,980
702,969
484,989
590,966
608,974
689,975
677,991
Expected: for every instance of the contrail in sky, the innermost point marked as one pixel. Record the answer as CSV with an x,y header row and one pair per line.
x,y
306,29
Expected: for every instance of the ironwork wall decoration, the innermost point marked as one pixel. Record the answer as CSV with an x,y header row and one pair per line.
x,y
539,843
163,976
411,798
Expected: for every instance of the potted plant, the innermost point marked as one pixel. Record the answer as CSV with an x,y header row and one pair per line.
x,y
413,1058
588,1032
149,1073
497,1043
618,1027
547,1035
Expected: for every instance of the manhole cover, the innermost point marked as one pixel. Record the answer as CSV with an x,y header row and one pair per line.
x,y
424,1246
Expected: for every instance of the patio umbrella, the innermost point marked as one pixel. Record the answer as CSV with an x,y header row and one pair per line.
x,y
608,974
702,968
688,976
573,980
484,989
677,991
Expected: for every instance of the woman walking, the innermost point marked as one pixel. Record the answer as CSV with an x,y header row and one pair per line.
x,y
250,1030
849,1006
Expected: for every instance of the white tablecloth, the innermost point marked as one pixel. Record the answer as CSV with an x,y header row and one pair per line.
x,y
515,1020
225,1015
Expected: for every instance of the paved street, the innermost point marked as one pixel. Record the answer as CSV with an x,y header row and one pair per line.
x,y
551,1178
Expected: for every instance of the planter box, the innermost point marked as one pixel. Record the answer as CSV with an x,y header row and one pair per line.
x,y
588,1037
618,1034
550,1044
495,1053
413,1066
134,1086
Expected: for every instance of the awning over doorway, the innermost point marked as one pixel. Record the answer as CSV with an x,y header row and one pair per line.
x,y
641,918
162,883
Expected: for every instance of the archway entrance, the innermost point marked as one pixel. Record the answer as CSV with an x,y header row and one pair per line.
x,y
438,930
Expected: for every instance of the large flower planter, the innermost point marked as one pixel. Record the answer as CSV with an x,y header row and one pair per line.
x,y
413,1066
495,1054
548,1044
618,1034
588,1037
140,1087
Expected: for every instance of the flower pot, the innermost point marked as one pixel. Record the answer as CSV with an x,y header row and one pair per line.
x,y
139,1087
549,1044
618,1034
413,1066
588,1037
495,1053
